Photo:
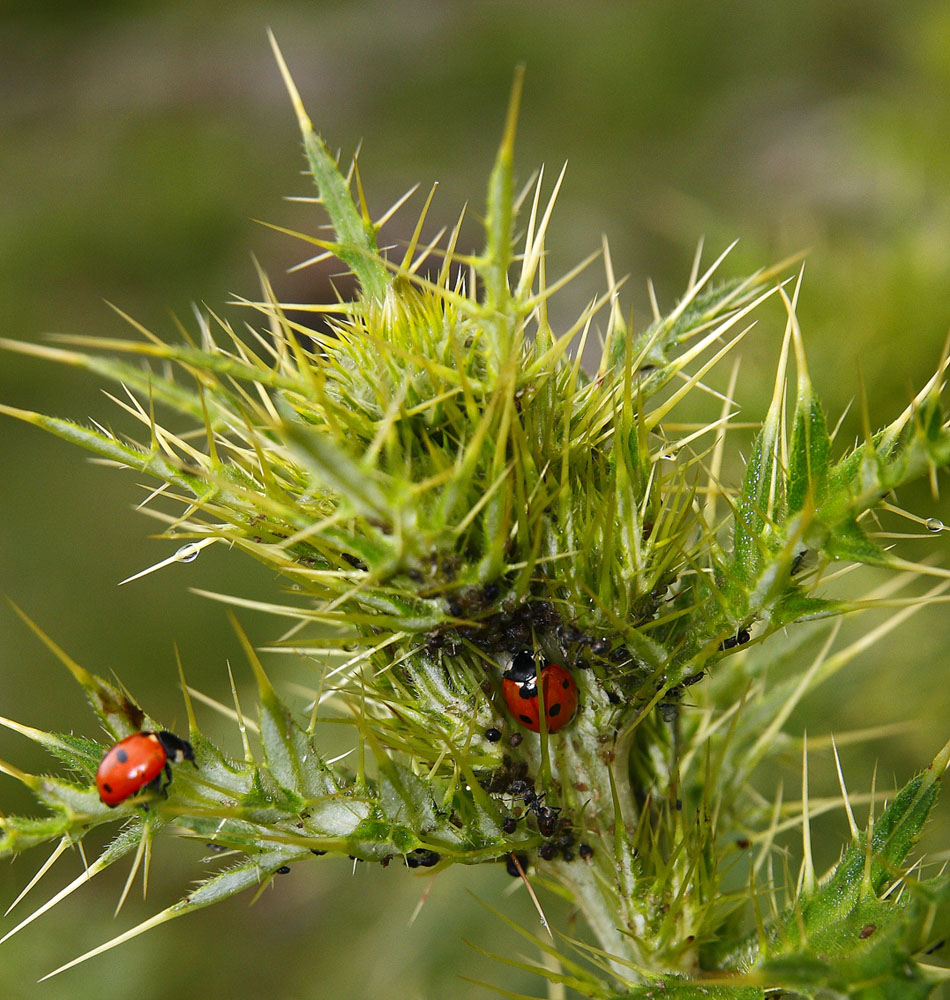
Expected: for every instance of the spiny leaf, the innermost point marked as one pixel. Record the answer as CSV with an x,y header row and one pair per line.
x,y
809,452
149,383
356,235
670,989
831,936
291,755
499,219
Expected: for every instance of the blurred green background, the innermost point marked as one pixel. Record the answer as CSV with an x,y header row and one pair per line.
x,y
139,140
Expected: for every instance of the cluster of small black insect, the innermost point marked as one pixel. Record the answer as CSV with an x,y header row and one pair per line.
x,y
739,639
502,627
513,626
513,780
669,707
499,782
421,857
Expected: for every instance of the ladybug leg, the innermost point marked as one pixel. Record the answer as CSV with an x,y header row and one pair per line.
x,y
167,774
160,784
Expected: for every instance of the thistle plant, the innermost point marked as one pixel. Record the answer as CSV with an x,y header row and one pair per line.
x,y
452,491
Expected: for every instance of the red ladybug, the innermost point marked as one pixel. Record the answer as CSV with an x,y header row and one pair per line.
x,y
139,760
519,684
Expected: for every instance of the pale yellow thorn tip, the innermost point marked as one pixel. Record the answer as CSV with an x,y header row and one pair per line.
x,y
942,761
511,120
185,554
305,124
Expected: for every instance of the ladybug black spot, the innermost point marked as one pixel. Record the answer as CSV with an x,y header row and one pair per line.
x,y
554,710
121,756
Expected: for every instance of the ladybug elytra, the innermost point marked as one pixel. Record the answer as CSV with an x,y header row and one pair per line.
x,y
519,685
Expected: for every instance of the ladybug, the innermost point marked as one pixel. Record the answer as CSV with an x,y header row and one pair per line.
x,y
140,760
519,684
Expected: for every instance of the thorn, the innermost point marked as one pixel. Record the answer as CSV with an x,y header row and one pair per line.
x,y
80,880
239,717
136,861
869,848
423,899
189,707
844,792
531,893
511,119
187,553
808,868
305,124
44,868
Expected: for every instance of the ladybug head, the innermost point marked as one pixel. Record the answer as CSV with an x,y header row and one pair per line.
x,y
523,669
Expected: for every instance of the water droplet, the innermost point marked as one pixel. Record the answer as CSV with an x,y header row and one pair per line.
x,y
934,524
187,553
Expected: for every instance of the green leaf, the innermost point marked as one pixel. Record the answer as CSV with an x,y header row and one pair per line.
x,y
809,455
356,234
672,990
499,214
751,506
356,243
847,541
20,833
355,486
404,797
854,933
150,461
794,606
148,383
292,758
